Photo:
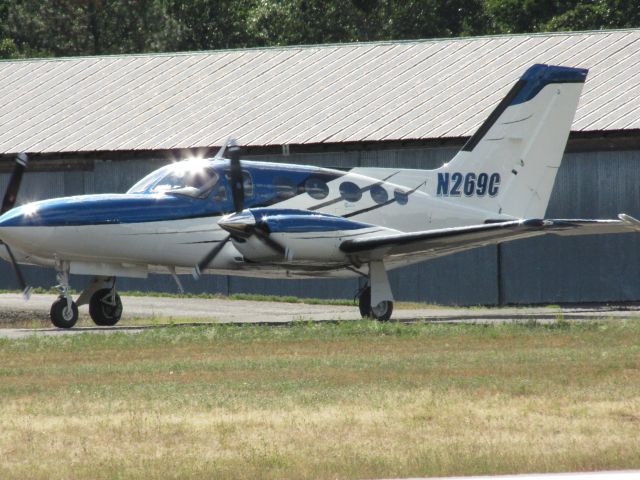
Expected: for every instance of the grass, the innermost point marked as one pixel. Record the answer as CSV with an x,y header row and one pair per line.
x,y
346,400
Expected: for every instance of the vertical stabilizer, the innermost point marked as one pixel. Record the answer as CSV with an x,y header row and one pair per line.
x,y
509,165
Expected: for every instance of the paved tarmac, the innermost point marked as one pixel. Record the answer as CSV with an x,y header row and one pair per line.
x,y
197,311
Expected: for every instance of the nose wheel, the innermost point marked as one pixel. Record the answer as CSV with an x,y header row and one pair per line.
x,y
64,311
63,314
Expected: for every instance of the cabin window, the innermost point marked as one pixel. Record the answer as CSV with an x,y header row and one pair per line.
x,y
401,197
350,192
379,194
247,182
285,187
316,188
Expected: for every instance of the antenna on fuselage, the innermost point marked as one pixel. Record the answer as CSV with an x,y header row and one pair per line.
x,y
222,149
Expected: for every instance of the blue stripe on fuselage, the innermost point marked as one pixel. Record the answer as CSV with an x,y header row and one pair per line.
x,y
107,209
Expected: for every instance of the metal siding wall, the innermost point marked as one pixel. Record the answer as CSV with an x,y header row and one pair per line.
x,y
119,176
401,158
466,278
37,185
596,185
581,269
313,288
545,270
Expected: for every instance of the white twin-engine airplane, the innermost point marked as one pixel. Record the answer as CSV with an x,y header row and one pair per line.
x,y
278,220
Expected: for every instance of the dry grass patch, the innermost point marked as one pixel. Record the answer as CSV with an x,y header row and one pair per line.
x,y
351,400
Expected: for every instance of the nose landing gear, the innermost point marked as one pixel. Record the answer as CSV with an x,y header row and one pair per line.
x,y
105,306
64,311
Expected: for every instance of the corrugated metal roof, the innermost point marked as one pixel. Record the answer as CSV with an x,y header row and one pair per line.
x,y
362,92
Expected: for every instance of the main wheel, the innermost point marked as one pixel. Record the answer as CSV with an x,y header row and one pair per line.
x,y
61,315
105,309
381,312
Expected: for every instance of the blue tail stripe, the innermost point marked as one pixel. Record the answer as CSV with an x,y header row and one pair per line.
x,y
539,76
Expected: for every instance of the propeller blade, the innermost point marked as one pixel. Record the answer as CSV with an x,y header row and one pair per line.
x,y
14,183
265,236
26,289
236,180
204,263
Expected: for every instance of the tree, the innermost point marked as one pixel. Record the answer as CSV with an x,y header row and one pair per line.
x,y
207,24
70,27
597,15
31,28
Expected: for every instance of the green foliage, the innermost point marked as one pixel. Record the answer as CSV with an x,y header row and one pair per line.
x,y
8,48
30,28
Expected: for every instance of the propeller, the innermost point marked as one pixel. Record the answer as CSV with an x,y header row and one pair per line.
x,y
236,182
237,193
8,202
235,174
204,263
263,234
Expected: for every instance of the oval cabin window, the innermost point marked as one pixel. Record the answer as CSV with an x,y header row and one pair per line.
x,y
350,192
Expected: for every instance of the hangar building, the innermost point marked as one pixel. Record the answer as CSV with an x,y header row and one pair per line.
x,y
98,124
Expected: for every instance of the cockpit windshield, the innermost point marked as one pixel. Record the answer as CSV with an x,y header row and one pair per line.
x,y
194,178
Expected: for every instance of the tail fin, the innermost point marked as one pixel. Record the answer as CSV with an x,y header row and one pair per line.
x,y
509,165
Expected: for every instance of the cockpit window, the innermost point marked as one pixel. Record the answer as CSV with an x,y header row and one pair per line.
x,y
192,178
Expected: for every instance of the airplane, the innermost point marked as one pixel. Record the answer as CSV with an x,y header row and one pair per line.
x,y
230,216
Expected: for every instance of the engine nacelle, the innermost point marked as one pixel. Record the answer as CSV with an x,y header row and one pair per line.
x,y
292,236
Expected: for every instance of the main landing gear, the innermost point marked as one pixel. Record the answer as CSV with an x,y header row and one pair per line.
x,y
105,306
382,311
376,300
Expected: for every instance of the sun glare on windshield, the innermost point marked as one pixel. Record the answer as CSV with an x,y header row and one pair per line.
x,y
191,177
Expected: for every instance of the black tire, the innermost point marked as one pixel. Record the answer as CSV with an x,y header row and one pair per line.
x,y
101,309
381,312
60,315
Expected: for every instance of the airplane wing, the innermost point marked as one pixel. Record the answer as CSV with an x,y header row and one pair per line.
x,y
436,243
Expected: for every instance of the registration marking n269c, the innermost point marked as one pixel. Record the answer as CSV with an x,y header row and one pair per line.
x,y
468,184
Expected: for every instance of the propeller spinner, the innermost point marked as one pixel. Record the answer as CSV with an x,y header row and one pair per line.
x,y
8,203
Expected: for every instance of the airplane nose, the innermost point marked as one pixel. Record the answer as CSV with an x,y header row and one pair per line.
x,y
10,219
238,224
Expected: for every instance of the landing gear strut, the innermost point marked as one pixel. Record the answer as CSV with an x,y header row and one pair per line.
x,y
64,311
105,306
376,300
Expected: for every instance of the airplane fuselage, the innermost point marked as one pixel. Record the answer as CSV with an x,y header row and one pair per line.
x,y
159,225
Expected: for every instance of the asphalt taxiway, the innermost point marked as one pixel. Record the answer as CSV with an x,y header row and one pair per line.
x,y
14,310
